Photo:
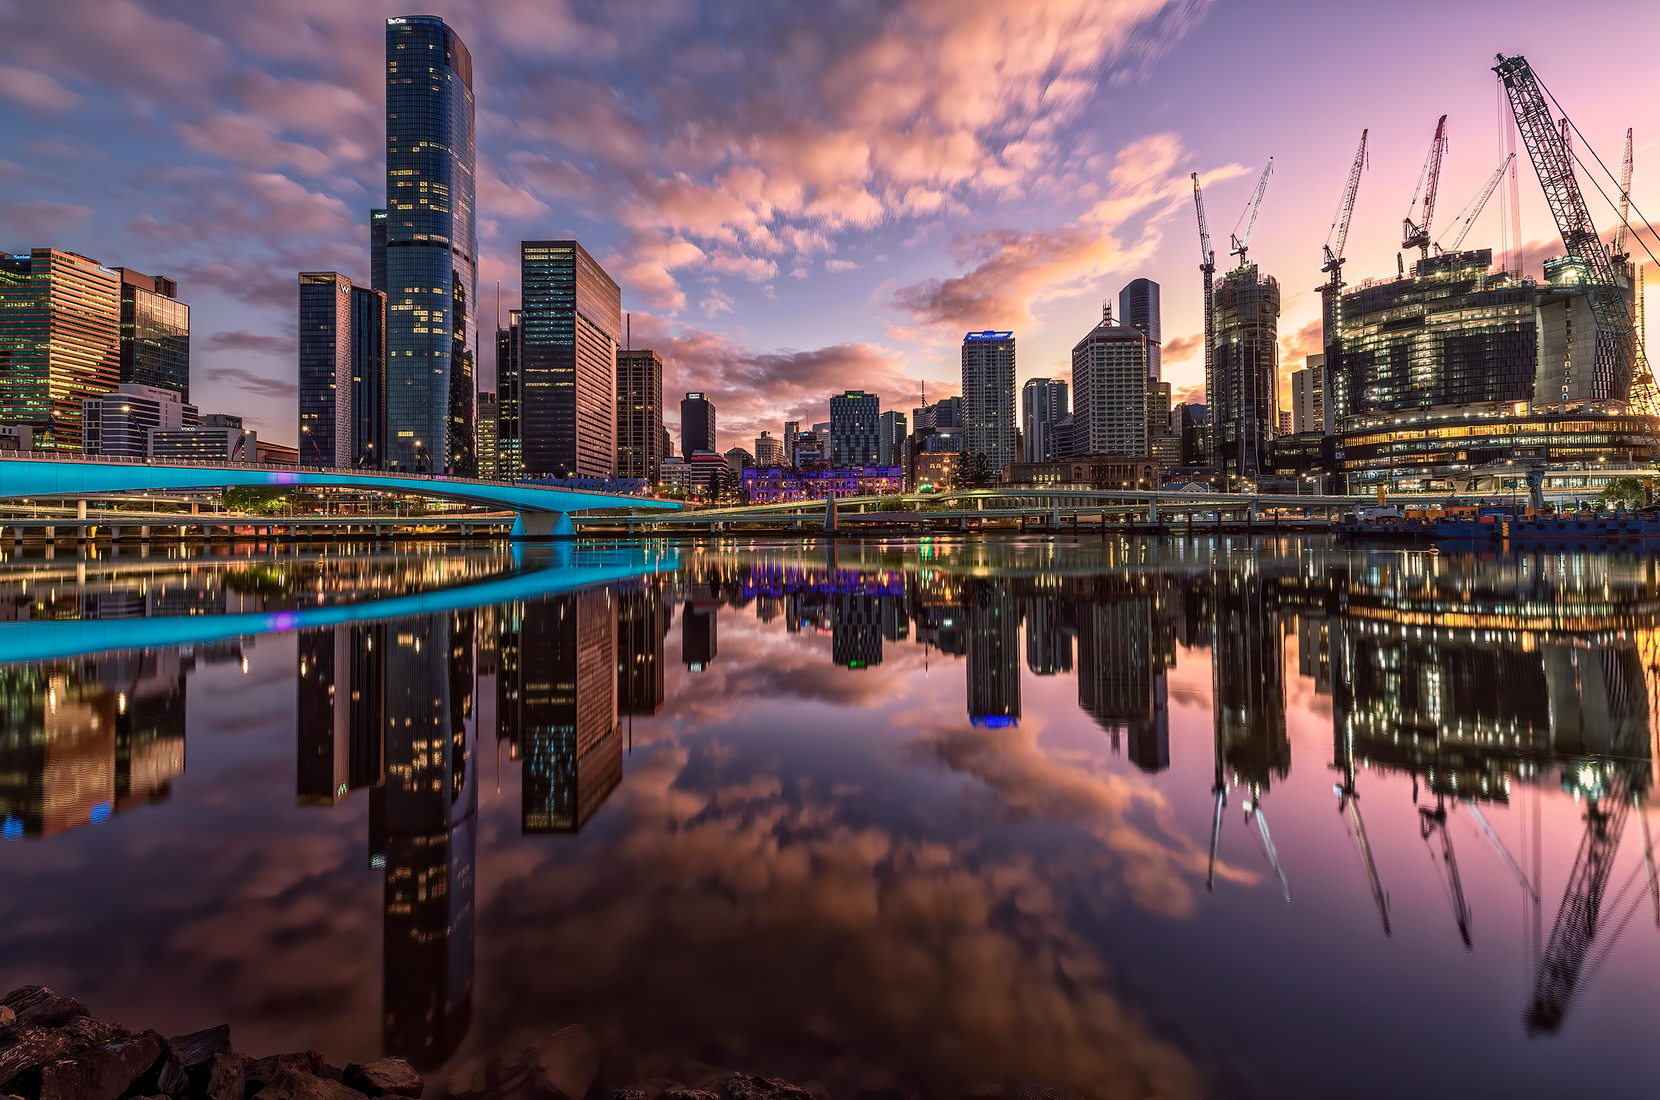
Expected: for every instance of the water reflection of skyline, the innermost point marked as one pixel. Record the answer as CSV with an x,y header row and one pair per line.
x,y
1472,678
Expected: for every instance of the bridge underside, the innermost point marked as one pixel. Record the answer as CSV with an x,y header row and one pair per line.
x,y
544,513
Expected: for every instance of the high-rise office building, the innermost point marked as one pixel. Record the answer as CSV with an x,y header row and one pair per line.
x,y
377,248
155,333
1308,396
988,397
792,429
1109,385
855,436
1043,404
570,326
1138,308
639,413
769,451
431,247
509,440
60,342
891,435
697,424
342,371
325,352
368,376
1242,378
488,445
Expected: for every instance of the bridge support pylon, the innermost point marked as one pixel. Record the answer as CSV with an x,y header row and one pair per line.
x,y
542,526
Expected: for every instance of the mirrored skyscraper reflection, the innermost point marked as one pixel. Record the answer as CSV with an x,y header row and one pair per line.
x,y
561,710
83,739
426,815
993,654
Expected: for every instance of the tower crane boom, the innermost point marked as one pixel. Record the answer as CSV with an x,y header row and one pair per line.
x,y
1473,211
1241,243
1415,234
1625,197
1553,164
1340,227
1207,267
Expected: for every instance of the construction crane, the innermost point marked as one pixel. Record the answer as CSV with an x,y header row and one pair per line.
x,y
1240,244
1625,198
1340,226
1331,291
1470,213
1348,799
1580,918
1434,821
1553,164
1416,234
1207,266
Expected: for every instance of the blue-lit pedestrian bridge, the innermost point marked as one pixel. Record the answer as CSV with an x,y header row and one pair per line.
x,y
543,512
540,572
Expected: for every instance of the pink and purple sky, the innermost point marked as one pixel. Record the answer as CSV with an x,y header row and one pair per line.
x,y
795,199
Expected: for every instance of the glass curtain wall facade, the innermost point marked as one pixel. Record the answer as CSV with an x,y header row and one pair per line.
x,y
988,397
509,439
697,424
325,369
639,413
60,342
1138,308
570,326
155,333
368,392
1242,381
431,276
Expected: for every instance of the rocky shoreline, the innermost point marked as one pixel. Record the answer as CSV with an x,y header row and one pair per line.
x,y
52,1049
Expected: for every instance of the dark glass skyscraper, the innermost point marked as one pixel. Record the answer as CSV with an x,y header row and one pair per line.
x,y
570,326
855,436
509,434
431,275
697,424
325,368
368,376
1138,308
155,333
342,354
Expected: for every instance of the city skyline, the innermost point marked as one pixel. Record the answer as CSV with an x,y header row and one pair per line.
x,y
902,226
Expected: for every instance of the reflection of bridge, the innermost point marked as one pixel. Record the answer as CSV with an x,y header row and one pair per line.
x,y
542,512
563,570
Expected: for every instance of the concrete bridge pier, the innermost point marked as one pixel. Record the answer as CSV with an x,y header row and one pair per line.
x,y
543,525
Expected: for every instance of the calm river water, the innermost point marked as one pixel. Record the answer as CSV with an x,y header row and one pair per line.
x,y
1192,818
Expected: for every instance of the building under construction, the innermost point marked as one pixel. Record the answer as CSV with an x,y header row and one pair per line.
x,y
1459,371
1242,374
1461,377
